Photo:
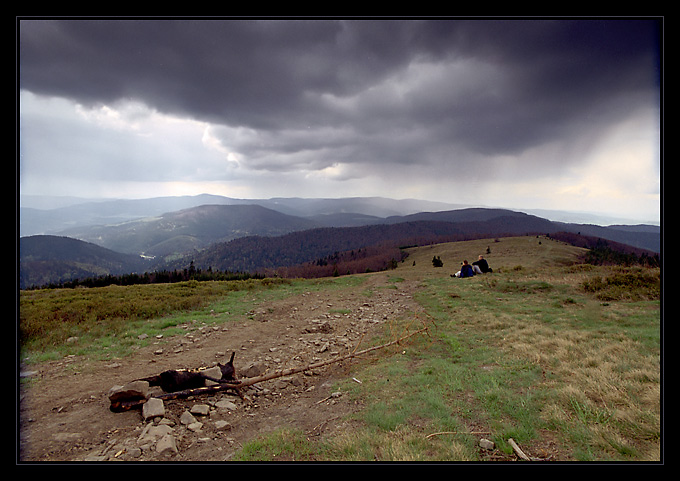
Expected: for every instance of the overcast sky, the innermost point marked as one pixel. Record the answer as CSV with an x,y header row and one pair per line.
x,y
550,114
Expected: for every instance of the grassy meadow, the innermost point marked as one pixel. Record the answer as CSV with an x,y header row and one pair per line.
x,y
110,322
540,355
562,357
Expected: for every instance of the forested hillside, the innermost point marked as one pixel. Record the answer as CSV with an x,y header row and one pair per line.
x,y
256,253
45,259
189,229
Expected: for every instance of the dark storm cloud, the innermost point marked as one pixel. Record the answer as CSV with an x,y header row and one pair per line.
x,y
318,93
260,73
253,73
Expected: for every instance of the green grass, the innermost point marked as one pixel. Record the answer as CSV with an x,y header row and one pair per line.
x,y
288,444
532,354
109,321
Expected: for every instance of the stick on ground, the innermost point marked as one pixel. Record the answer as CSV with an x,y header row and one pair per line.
x,y
517,450
123,405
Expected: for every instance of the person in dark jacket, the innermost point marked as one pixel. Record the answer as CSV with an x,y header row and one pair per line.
x,y
483,265
466,270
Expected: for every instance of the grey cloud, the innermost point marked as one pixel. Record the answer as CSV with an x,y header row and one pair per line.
x,y
394,91
233,72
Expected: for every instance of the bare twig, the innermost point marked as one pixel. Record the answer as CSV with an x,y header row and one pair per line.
x,y
334,395
457,432
288,372
517,450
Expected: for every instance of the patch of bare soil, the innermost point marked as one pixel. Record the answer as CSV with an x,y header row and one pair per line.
x,y
64,409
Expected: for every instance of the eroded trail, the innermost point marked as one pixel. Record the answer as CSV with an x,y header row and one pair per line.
x,y
64,407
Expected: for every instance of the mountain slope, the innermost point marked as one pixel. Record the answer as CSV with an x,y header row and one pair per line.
x,y
498,220
189,229
34,221
258,253
644,236
370,206
37,218
45,259
254,253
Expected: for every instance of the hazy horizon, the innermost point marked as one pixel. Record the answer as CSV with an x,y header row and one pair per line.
x,y
55,202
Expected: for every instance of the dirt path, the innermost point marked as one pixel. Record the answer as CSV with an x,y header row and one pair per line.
x,y
64,409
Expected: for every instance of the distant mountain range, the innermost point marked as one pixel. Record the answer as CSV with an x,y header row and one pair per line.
x,y
190,229
39,215
96,238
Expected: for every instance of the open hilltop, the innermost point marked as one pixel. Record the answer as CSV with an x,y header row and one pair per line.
x,y
547,359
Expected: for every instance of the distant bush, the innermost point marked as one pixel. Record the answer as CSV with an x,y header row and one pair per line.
x,y
603,252
605,255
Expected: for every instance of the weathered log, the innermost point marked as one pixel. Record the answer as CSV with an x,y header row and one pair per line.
x,y
122,405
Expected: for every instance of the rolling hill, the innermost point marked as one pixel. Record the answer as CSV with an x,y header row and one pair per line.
x,y
37,217
251,254
47,259
641,236
190,229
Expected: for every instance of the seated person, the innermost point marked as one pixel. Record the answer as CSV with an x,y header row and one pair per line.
x,y
482,265
466,270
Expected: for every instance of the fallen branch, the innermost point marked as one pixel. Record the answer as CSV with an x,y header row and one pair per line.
x,y
456,432
333,395
295,370
123,405
517,450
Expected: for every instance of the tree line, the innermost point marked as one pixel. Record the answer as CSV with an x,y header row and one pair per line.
x,y
605,255
367,259
356,261
605,252
156,277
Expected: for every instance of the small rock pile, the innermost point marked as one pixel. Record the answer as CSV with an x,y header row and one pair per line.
x,y
160,432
